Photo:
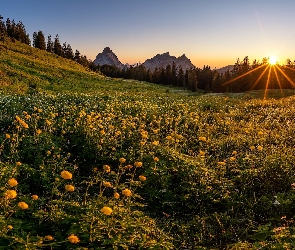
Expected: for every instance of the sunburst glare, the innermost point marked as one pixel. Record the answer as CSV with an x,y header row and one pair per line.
x,y
272,60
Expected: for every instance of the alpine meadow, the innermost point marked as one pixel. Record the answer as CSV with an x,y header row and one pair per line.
x,y
93,162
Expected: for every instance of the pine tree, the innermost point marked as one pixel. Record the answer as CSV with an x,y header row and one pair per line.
x,y
49,46
180,77
173,75
3,31
57,49
39,40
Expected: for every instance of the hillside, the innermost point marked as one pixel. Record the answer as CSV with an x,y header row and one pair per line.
x,y
90,162
22,66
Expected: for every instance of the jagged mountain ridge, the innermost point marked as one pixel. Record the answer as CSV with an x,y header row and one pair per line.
x,y
108,57
162,60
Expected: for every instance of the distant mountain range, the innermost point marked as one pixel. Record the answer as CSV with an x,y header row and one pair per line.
x,y
108,57
162,60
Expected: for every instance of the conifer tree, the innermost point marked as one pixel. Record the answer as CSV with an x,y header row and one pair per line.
x,y
39,40
49,46
173,75
3,31
180,77
57,49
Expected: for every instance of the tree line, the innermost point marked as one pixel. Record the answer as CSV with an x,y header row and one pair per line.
x,y
242,77
17,31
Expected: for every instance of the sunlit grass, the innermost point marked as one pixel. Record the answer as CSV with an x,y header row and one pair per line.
x,y
94,162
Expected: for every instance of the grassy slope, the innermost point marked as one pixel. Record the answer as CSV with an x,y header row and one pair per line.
x,y
223,203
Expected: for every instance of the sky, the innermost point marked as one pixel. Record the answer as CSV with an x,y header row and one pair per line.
x,y
208,32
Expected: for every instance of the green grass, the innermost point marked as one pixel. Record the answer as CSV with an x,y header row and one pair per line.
x,y
219,169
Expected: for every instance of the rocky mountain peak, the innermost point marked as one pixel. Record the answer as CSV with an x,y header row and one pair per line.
x,y
108,57
162,60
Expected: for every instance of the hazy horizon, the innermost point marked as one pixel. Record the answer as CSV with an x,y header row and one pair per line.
x,y
210,32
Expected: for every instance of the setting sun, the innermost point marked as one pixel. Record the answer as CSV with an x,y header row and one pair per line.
x,y
272,60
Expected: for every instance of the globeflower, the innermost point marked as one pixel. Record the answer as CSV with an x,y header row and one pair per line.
x,y
23,205
66,175
48,237
252,148
156,159
35,197
107,168
106,210
7,136
107,184
202,138
142,178
70,188
12,182
122,160
116,195
138,164
232,158
10,194
126,192
260,148
73,239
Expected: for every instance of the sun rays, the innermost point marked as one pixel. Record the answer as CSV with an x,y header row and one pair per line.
x,y
274,71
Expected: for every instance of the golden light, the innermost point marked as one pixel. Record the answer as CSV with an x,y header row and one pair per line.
x,y
272,60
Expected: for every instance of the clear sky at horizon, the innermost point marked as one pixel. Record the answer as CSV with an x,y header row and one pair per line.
x,y
209,32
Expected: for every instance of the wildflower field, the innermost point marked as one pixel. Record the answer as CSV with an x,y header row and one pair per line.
x,y
88,162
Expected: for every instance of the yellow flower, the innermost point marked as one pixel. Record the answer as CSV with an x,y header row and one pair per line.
x,y
260,133
35,197
232,158
118,133
66,175
38,131
116,195
142,178
252,148
70,188
12,182
128,167
155,143
107,168
156,159
126,192
202,138
221,163
202,153
138,164
10,194
18,163
9,227
107,184
106,210
48,237
102,132
234,152
169,137
48,122
260,148
23,205
73,239
7,136
122,160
